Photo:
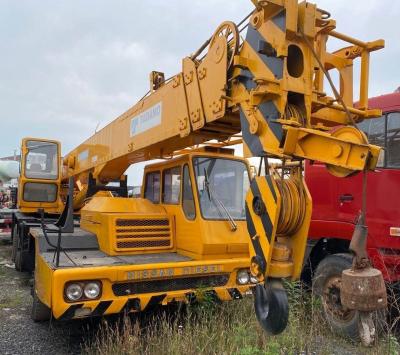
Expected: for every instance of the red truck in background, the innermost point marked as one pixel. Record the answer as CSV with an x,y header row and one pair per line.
x,y
336,205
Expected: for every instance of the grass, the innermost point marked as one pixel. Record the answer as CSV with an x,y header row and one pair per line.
x,y
229,328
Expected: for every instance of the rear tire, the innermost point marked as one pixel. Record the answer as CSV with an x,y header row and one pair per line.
x,y
24,260
40,312
326,284
18,258
14,236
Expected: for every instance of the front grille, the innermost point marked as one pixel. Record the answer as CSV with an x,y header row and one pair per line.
x,y
147,233
177,284
144,244
142,222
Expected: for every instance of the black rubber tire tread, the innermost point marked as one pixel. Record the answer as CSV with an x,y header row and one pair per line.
x,y
18,260
14,239
272,308
23,260
28,261
40,312
334,265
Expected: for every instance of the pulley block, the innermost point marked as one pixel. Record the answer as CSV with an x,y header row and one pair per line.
x,y
350,134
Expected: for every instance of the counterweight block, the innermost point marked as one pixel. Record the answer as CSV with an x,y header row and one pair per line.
x,y
363,289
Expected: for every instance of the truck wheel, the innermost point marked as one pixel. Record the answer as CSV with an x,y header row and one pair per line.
x,y
326,284
18,258
28,261
14,236
40,312
24,261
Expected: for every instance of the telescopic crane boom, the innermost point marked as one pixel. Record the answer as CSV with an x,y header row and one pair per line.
x,y
269,86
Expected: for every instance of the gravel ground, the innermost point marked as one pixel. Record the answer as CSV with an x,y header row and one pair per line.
x,y
18,333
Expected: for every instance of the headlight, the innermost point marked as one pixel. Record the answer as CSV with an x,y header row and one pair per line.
x,y
92,290
74,292
242,277
253,279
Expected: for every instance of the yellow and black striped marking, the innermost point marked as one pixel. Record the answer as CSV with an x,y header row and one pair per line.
x,y
136,304
262,214
259,47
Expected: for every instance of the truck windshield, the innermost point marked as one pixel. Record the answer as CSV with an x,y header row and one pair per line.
x,y
221,181
41,160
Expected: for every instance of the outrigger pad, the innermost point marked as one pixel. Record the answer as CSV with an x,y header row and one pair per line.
x,y
271,306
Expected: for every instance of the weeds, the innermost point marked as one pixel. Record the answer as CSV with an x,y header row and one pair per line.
x,y
228,328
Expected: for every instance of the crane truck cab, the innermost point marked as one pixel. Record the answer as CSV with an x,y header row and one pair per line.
x,y
183,238
39,185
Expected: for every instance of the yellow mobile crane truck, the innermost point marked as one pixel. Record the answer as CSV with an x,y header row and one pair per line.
x,y
194,226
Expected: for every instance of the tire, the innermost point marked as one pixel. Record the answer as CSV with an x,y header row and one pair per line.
x,y
14,236
28,261
326,285
23,260
18,257
40,312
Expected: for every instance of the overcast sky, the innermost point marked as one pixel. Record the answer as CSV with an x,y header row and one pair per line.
x,y
68,66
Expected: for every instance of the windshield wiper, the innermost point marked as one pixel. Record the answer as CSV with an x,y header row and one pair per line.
x,y
212,196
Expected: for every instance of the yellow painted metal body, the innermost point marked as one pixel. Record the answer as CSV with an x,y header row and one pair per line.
x,y
268,86
25,205
50,284
211,248
198,238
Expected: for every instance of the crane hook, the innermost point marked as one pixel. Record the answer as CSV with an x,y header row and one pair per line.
x,y
271,306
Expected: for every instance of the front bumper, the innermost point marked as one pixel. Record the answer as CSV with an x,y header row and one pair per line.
x,y
136,288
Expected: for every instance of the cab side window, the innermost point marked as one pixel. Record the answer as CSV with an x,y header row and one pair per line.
x,y
393,140
187,195
152,187
375,131
172,185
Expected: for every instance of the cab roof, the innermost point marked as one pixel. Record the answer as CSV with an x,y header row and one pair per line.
x,y
387,103
203,151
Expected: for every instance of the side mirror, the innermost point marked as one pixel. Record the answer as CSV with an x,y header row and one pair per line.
x,y
381,159
253,172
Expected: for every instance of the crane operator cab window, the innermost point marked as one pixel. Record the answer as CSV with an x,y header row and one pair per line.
x,y
171,185
222,185
41,163
41,160
188,205
152,187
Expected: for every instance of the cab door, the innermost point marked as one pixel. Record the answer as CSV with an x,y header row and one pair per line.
x,y
383,185
40,178
349,190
